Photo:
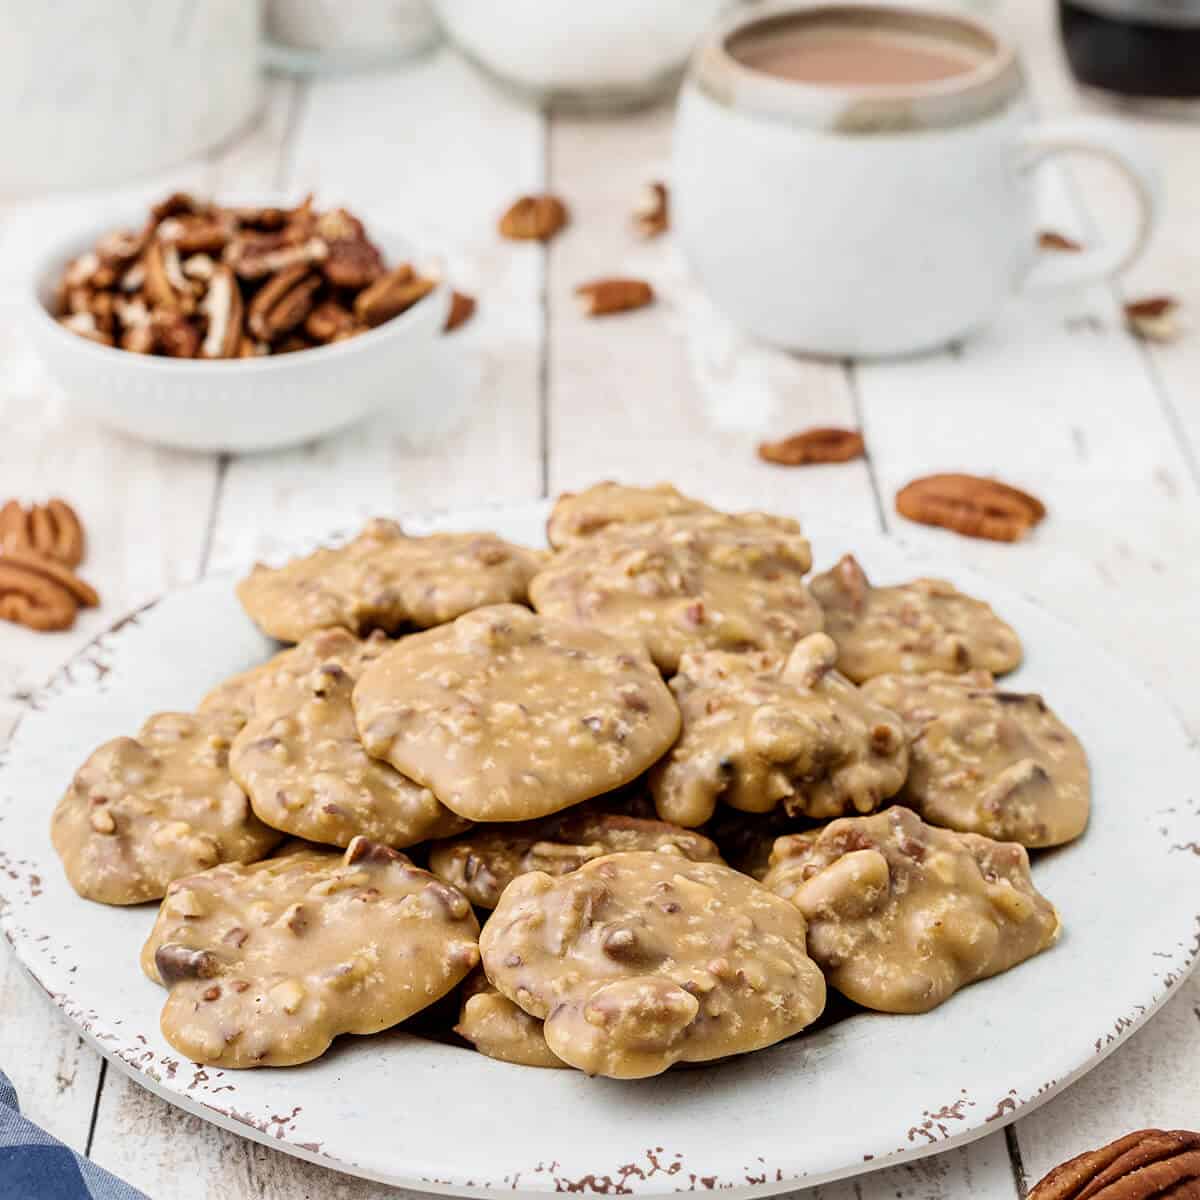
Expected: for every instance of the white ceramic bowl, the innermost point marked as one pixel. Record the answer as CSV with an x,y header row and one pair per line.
x,y
606,53
238,404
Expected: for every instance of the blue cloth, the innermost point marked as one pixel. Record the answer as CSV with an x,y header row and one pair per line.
x,y
35,1166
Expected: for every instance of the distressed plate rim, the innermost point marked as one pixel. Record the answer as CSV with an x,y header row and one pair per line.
x,y
764,1155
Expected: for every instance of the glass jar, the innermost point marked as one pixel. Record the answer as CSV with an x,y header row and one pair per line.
x,y
1141,50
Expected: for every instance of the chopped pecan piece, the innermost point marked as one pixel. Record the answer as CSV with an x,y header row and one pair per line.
x,y
222,305
603,297
819,445
970,505
283,302
1141,1165
395,293
534,218
652,212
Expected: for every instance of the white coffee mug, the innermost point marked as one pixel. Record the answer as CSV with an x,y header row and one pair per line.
x,y
867,221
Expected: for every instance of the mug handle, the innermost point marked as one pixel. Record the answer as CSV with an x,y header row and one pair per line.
x,y
1117,145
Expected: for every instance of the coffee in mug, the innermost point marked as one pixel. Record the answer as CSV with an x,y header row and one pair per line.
x,y
853,53
857,179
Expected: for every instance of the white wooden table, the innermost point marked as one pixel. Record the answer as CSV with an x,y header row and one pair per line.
x,y
1056,398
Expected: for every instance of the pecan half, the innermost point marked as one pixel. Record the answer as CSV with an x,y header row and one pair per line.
x,y
818,445
222,305
283,302
396,292
257,255
462,309
352,263
52,530
970,505
1141,1165
1051,239
196,233
167,287
603,297
1153,319
534,218
330,322
652,212
40,593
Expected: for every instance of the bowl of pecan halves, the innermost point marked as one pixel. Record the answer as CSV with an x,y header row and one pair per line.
x,y
231,326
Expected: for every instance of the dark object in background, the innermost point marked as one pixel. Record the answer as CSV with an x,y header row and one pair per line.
x,y
1141,49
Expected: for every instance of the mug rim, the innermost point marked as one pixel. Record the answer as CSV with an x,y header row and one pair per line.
x,y
858,109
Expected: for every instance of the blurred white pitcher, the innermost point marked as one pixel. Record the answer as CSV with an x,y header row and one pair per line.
x,y
855,179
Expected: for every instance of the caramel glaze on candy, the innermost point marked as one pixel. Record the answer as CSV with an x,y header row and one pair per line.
x,y
301,763
482,863
691,582
267,964
924,625
637,961
497,1027
988,761
901,915
579,515
143,811
760,733
384,579
506,715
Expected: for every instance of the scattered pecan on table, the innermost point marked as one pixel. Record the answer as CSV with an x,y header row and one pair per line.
x,y
40,546
1141,1165
817,445
652,212
1154,319
462,309
1051,239
971,505
201,280
533,218
52,530
603,297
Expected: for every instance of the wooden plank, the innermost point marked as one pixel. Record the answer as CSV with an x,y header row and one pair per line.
x,y
981,1169
1151,1080
1171,264
147,512
442,177
673,391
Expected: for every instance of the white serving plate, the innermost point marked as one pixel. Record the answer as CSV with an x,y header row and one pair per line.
x,y
863,1092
